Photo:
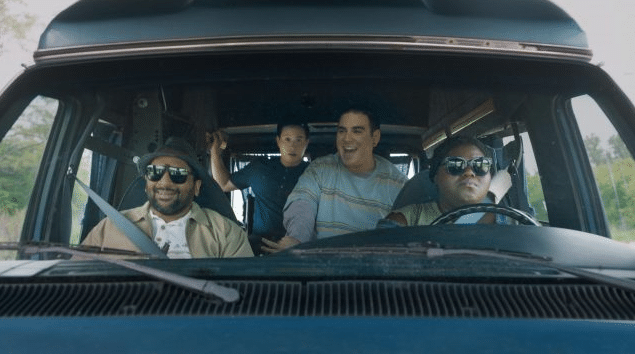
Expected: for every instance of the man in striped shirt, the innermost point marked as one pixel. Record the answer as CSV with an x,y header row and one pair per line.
x,y
345,192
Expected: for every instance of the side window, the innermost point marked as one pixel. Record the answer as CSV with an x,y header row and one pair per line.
x,y
535,194
613,166
98,170
80,198
533,186
236,197
21,151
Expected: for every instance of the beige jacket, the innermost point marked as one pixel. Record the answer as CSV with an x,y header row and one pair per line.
x,y
209,234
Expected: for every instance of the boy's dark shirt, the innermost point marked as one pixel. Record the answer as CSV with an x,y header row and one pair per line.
x,y
271,184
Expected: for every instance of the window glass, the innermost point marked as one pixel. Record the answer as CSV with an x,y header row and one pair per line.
x,y
80,198
21,151
97,169
613,166
534,185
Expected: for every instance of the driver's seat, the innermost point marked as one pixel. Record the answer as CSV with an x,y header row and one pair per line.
x,y
420,189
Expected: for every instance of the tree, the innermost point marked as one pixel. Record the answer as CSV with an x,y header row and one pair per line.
x,y
619,149
13,27
21,152
595,152
617,191
536,196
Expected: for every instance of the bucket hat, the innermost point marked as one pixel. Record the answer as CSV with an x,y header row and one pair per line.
x,y
175,147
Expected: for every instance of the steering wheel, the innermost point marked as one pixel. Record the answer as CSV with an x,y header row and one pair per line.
x,y
453,215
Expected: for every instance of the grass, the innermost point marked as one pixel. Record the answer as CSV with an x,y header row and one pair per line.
x,y
623,235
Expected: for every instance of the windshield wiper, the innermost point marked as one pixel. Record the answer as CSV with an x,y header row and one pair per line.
x,y
624,284
435,250
17,246
203,287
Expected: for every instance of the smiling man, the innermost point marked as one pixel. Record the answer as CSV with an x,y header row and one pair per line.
x,y
177,224
345,192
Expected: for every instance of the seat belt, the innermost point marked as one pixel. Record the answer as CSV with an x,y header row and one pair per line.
x,y
127,227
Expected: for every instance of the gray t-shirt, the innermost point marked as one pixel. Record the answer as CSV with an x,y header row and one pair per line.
x,y
420,214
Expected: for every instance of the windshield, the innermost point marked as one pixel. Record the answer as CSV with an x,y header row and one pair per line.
x,y
164,140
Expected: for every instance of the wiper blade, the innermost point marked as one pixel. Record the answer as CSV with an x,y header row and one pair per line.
x,y
203,287
427,250
516,256
434,250
17,246
624,284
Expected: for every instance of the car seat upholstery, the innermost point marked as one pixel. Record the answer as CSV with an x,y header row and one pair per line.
x,y
417,190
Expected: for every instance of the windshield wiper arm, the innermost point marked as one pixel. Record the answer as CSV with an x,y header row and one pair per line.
x,y
204,287
433,250
17,246
624,284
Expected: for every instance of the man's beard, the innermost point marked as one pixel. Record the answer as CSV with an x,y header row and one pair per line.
x,y
180,203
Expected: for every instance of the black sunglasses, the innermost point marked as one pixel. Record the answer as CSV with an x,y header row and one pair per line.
x,y
178,175
456,165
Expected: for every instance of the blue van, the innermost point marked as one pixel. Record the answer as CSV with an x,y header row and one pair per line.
x,y
113,80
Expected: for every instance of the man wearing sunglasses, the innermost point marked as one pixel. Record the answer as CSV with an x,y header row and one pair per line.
x,y
177,224
461,168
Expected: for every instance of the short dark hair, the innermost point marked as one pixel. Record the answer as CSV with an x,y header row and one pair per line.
x,y
442,151
289,123
373,120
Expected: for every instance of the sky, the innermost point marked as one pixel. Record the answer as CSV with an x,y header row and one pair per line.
x,y
610,29
609,24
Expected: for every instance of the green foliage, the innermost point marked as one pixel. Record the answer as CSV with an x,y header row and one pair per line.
x,y
623,235
619,149
536,197
597,155
20,154
614,172
10,228
615,182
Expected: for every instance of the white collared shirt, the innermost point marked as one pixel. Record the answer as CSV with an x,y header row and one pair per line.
x,y
171,235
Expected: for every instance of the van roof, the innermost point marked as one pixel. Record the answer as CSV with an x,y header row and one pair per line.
x,y
90,23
